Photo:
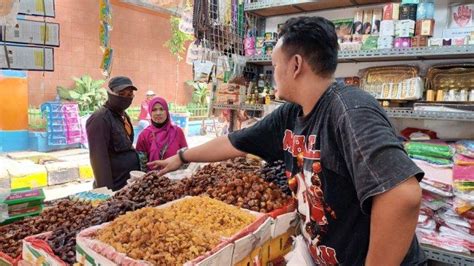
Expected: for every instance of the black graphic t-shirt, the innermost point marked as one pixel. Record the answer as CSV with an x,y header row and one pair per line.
x,y
344,152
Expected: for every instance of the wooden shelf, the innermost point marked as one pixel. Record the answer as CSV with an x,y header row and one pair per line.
x,y
269,8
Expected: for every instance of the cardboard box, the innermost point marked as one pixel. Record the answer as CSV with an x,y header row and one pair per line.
x,y
435,42
85,170
358,24
376,20
62,172
88,248
460,41
367,22
419,41
32,176
391,11
37,251
425,27
387,28
385,42
405,28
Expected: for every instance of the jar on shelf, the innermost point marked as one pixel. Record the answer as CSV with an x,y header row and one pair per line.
x,y
471,95
463,95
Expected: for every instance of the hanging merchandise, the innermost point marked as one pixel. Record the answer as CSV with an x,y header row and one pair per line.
x,y
222,68
239,63
8,12
202,70
200,18
106,65
105,14
186,22
194,52
104,32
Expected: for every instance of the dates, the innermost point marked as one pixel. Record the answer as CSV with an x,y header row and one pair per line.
x,y
243,188
63,213
275,172
63,239
151,190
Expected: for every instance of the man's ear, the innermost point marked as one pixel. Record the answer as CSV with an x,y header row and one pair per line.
x,y
297,66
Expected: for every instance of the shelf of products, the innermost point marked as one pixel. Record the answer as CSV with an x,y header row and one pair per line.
x,y
414,53
430,115
453,258
248,107
268,8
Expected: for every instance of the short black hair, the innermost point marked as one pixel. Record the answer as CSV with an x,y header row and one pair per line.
x,y
315,39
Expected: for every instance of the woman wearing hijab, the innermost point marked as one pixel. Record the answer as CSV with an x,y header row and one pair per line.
x,y
161,139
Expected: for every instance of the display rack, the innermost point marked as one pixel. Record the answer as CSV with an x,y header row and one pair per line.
x,y
247,107
429,115
452,258
268,8
396,54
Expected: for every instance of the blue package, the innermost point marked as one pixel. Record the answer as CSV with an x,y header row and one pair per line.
x,y
425,10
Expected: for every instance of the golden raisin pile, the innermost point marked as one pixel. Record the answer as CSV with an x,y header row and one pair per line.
x,y
176,234
211,215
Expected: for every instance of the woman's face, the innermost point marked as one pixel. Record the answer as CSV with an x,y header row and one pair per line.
x,y
158,114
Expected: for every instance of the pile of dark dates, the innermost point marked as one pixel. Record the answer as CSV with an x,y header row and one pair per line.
x,y
274,172
151,189
63,239
64,212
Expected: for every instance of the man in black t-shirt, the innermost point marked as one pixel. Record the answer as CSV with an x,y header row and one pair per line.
x,y
357,190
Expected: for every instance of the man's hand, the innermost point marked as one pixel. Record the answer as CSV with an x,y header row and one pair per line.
x,y
165,166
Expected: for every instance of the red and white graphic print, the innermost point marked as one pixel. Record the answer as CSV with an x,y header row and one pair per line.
x,y
306,185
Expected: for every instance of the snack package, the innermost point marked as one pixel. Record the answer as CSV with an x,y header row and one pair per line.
x,y
105,11
106,64
104,35
202,70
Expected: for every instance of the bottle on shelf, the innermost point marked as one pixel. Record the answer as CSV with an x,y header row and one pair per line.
x,y
261,83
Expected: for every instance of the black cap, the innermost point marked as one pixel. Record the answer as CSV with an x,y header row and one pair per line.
x,y
116,84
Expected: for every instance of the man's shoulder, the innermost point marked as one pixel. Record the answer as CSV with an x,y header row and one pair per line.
x,y
98,115
352,97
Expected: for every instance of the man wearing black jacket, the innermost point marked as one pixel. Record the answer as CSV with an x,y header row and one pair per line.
x,y
110,136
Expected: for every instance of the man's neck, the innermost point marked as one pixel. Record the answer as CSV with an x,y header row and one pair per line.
x,y
311,91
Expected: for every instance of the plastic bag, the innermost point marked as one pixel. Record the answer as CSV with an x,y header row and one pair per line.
x,y
429,150
300,253
202,70
105,12
106,64
432,160
465,147
239,63
222,67
104,35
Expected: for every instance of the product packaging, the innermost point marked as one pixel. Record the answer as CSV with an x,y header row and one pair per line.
x,y
387,28
367,21
376,19
391,11
425,27
405,28
358,18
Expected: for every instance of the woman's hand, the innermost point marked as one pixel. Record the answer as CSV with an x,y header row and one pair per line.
x,y
165,166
